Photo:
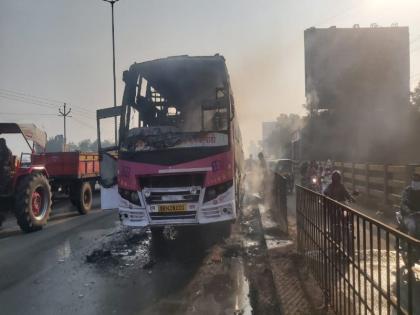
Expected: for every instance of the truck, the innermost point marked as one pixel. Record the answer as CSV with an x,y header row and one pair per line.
x,y
36,176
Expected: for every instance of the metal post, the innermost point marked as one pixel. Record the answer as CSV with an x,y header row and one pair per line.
x,y
325,216
112,2
386,179
64,114
367,179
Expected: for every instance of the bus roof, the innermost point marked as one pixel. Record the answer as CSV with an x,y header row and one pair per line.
x,y
183,79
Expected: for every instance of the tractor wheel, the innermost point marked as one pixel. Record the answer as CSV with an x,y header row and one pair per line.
x,y
33,202
83,198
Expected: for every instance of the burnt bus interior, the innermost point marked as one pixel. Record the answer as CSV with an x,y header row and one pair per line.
x,y
166,100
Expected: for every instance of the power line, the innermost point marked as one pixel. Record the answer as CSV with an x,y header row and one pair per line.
x,y
27,114
28,99
40,104
39,99
22,100
32,96
84,124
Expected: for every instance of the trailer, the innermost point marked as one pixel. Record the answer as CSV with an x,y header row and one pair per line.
x,y
72,173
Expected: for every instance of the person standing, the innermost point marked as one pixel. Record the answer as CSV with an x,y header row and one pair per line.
x,y
263,173
5,165
410,202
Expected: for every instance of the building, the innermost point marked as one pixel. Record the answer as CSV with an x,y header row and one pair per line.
x,y
361,68
267,129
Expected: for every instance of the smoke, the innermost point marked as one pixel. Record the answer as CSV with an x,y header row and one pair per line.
x,y
357,89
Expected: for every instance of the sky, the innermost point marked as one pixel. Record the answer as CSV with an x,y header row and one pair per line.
x,y
61,50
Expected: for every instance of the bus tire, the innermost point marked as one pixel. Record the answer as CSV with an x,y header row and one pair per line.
x,y
225,229
157,233
33,202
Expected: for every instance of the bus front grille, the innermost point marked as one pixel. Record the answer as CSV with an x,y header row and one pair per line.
x,y
172,180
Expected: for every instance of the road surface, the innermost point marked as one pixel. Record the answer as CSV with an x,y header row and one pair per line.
x,y
89,265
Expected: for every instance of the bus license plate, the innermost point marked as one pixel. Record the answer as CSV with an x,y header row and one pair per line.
x,y
179,207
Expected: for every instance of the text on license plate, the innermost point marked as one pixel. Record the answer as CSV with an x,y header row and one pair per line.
x,y
172,208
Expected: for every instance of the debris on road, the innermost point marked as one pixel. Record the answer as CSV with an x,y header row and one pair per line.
x,y
149,264
98,255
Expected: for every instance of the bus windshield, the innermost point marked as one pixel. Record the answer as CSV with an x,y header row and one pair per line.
x,y
176,102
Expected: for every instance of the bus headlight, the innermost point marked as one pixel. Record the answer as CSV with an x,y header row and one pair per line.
x,y
213,191
130,195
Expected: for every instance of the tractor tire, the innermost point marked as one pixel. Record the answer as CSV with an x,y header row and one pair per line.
x,y
83,198
33,202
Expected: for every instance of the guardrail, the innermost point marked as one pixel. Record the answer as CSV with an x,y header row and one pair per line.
x,y
279,190
362,265
382,182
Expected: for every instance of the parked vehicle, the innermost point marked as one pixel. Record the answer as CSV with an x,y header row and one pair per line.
x,y
72,173
36,176
180,155
315,183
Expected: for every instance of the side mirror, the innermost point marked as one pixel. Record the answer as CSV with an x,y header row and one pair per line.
x,y
220,93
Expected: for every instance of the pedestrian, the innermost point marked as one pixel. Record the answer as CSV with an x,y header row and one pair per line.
x,y
336,190
341,220
263,173
410,203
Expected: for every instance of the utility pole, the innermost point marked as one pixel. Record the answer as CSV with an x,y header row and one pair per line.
x,y
64,113
112,2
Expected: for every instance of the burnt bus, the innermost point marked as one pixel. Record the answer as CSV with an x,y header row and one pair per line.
x,y
179,157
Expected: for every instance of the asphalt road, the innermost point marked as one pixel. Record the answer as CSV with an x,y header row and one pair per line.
x,y
89,265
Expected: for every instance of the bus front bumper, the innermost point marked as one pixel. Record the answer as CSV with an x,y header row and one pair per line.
x,y
206,214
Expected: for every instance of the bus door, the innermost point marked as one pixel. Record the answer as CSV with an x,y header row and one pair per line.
x,y
106,120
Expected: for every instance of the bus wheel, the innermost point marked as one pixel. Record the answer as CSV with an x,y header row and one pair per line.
x,y
157,233
225,229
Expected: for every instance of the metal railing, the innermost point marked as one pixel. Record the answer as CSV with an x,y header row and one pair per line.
x,y
362,265
380,182
279,190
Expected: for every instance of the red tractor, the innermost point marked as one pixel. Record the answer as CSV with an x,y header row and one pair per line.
x,y
34,177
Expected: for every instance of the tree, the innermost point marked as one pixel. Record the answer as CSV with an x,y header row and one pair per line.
x,y
55,144
415,97
85,145
71,147
280,139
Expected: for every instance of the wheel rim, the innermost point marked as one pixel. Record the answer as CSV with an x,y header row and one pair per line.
x,y
86,197
39,203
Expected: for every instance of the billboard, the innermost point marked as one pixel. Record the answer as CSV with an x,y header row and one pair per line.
x,y
360,68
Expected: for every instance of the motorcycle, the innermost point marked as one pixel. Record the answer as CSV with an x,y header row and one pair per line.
x,y
402,226
315,184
